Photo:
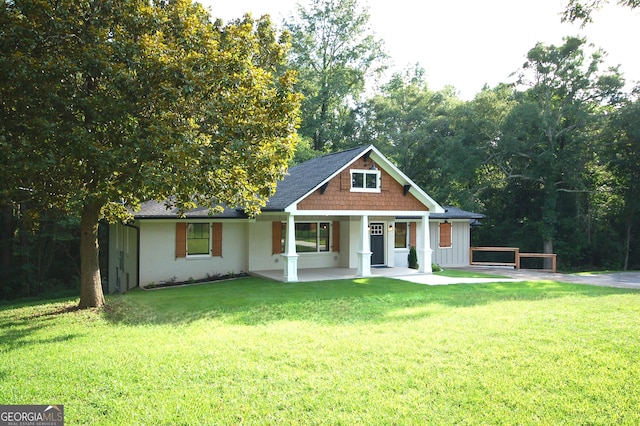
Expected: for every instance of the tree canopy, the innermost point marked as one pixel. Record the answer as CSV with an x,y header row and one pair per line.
x,y
334,52
547,135
110,103
107,103
581,10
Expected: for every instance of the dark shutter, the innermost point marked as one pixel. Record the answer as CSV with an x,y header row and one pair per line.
x,y
276,237
445,234
216,249
181,240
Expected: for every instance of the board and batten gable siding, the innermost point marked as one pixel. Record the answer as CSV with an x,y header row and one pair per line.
x,y
458,254
338,196
160,261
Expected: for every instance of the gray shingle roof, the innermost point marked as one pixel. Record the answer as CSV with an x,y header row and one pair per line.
x,y
308,175
451,212
156,210
300,180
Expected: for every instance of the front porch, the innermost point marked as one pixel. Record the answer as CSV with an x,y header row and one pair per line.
x,y
344,245
326,274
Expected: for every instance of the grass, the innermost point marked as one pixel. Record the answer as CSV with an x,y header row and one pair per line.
x,y
368,351
458,273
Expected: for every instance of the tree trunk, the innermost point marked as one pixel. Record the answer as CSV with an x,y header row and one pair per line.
x,y
548,249
91,295
549,220
627,245
7,230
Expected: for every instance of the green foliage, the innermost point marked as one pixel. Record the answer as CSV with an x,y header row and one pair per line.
x,y
304,151
412,258
581,10
623,159
333,52
116,102
547,138
43,256
374,351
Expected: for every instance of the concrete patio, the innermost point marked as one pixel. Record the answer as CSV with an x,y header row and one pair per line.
x,y
325,274
406,274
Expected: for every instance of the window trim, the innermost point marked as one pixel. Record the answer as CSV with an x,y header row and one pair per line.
x,y
406,235
318,224
210,242
364,180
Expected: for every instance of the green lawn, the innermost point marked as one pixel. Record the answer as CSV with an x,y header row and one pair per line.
x,y
368,351
457,273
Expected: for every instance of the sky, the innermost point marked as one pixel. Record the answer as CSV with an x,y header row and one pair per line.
x,y
470,43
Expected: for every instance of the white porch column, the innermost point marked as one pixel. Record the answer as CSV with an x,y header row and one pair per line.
x,y
364,249
424,246
290,256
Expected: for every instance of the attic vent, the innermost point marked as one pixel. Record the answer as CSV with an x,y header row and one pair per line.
x,y
406,189
324,187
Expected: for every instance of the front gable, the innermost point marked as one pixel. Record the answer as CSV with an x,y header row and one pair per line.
x,y
337,193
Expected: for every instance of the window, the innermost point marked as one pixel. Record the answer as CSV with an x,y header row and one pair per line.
x,y
401,235
198,238
376,229
445,235
310,237
368,180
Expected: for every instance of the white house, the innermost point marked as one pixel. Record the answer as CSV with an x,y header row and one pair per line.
x,y
352,209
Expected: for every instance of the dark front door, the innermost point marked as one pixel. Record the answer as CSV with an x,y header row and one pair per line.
x,y
377,244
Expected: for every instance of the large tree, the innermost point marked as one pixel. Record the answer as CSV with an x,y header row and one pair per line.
x,y
548,138
106,103
334,52
412,124
623,132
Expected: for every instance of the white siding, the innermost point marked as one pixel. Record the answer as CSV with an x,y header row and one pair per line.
x,y
458,254
260,249
158,262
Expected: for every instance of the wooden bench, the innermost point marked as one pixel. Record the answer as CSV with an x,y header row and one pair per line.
x,y
517,256
514,250
551,256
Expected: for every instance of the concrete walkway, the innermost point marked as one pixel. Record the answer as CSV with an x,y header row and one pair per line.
x,y
613,279
618,279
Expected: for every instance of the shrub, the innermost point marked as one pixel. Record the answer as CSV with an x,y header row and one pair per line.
x,y
413,258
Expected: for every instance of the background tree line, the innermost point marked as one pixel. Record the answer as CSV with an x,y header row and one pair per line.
x,y
552,160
